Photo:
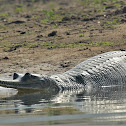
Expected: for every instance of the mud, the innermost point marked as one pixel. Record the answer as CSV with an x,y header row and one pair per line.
x,y
58,38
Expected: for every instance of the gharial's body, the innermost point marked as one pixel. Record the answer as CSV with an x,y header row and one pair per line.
x,y
102,70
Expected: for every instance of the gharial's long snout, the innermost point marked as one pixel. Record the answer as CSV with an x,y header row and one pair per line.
x,y
29,81
14,84
26,81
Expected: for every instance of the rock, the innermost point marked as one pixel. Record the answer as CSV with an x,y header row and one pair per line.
x,y
124,36
110,7
122,50
66,19
67,33
65,64
120,11
124,10
105,3
117,12
89,19
73,17
86,48
123,20
10,49
53,33
22,32
39,36
5,58
27,16
17,22
13,48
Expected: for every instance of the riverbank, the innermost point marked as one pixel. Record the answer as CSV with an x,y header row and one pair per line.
x,y
52,37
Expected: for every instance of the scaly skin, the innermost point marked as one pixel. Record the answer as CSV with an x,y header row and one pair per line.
x,y
103,70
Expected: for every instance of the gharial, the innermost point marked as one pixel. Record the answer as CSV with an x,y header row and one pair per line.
x,y
101,70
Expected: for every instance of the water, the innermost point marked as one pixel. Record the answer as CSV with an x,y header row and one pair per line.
x,y
106,106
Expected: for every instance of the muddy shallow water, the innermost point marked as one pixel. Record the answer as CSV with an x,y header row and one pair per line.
x,y
104,107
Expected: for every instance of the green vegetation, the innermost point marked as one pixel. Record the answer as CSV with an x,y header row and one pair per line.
x,y
50,16
18,9
115,20
2,27
96,2
52,44
81,35
111,27
117,4
102,43
55,26
99,5
4,15
110,24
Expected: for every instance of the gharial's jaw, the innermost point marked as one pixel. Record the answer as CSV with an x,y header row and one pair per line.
x,y
30,81
26,81
18,84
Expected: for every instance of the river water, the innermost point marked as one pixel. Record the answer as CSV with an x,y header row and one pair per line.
x,y
105,106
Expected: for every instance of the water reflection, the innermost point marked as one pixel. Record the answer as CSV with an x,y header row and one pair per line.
x,y
7,92
106,104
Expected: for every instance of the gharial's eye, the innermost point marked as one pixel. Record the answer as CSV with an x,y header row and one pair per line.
x,y
34,77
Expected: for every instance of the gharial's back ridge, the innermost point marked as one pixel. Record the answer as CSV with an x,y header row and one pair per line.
x,y
101,70
104,69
